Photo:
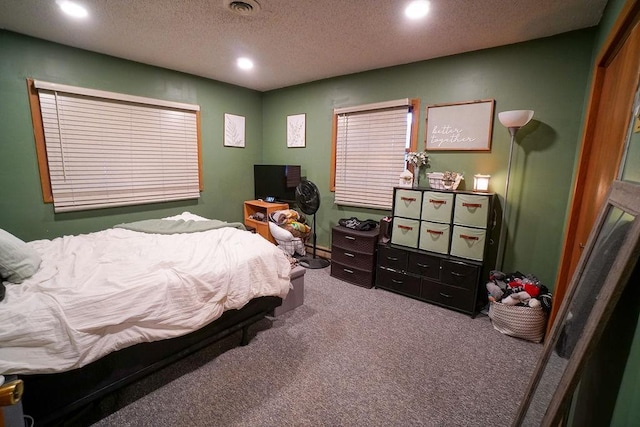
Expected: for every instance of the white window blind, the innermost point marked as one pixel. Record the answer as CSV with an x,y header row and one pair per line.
x,y
105,149
370,153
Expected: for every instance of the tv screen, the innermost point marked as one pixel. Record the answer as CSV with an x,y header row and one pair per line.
x,y
277,181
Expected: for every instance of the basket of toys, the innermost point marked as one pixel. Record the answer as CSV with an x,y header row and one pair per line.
x,y
518,305
444,180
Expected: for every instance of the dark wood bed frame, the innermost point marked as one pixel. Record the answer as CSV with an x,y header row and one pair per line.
x,y
48,398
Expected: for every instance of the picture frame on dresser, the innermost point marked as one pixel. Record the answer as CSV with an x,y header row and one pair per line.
x,y
441,247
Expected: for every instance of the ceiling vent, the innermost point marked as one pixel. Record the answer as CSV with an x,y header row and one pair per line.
x,y
242,7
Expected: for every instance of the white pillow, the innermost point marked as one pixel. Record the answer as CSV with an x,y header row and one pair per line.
x,y
187,216
279,233
18,261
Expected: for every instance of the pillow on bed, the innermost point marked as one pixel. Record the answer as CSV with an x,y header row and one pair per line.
x,y
18,261
187,216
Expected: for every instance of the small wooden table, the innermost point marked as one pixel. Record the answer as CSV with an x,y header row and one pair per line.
x,y
253,207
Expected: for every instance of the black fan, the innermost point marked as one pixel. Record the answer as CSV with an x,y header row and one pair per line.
x,y
308,200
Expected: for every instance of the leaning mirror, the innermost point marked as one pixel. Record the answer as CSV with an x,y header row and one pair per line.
x,y
609,258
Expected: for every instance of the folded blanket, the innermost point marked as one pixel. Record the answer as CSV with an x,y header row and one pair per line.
x,y
164,226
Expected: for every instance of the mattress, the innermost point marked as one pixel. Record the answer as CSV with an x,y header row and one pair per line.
x,y
99,292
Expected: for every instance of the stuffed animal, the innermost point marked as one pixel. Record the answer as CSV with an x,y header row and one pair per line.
x,y
534,302
516,288
495,293
517,298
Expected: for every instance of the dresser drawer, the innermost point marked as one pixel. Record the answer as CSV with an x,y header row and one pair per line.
x,y
434,237
471,210
424,265
352,275
354,240
398,282
395,259
407,203
437,206
451,296
353,258
460,274
405,232
467,242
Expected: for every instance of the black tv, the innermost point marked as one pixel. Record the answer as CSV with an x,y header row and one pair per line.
x,y
276,182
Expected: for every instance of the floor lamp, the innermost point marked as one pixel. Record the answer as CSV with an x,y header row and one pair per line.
x,y
512,120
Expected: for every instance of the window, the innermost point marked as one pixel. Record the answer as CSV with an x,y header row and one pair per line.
x,y
370,143
101,149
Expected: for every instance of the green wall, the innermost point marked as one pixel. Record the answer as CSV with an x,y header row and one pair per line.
x,y
549,76
227,173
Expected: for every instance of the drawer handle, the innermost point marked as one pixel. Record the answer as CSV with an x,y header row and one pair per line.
x,y
438,202
453,273
390,258
397,282
408,199
465,236
405,227
435,231
349,237
346,270
472,205
446,295
422,265
348,254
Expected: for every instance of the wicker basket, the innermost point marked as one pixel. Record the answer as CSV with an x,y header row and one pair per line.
x,y
519,321
436,182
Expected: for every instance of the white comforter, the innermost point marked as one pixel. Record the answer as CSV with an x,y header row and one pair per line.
x,y
100,292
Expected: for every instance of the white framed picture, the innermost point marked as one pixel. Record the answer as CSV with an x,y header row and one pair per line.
x,y
296,130
233,130
461,126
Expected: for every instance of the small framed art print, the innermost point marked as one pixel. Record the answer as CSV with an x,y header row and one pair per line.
x,y
233,130
296,130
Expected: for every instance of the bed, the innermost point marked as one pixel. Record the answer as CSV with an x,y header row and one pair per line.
x,y
103,309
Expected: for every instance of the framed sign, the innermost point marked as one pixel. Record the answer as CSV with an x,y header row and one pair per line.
x,y
464,126
296,130
233,130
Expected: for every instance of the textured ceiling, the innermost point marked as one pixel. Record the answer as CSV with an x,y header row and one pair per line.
x,y
293,41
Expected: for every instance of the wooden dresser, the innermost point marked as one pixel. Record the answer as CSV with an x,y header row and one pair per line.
x,y
353,255
439,249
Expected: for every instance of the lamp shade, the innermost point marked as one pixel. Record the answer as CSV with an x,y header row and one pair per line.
x,y
515,118
481,182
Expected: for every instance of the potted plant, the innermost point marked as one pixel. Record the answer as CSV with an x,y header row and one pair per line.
x,y
417,159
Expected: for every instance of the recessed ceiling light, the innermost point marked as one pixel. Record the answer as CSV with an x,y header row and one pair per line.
x,y
245,63
417,9
72,9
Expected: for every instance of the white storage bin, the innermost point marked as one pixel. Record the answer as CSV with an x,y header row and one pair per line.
x,y
468,242
471,210
405,232
437,206
434,237
408,203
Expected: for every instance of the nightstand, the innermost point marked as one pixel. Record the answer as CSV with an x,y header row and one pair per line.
x,y
252,207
